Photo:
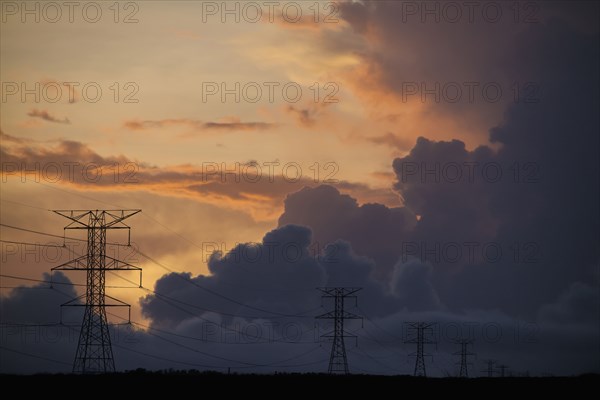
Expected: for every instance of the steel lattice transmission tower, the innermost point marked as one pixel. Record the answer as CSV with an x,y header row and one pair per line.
x,y
94,350
338,362
464,354
490,368
423,331
502,369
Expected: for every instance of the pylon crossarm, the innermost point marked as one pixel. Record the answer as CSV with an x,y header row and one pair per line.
x,y
329,315
71,214
113,263
119,218
79,263
71,303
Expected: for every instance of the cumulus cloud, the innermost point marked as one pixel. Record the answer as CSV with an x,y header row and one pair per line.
x,y
545,166
341,217
412,286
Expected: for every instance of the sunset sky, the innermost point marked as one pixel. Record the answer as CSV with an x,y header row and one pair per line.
x,y
395,132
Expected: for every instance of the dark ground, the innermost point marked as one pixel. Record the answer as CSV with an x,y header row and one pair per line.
x,y
287,382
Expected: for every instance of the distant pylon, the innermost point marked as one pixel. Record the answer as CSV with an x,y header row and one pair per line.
x,y
464,354
94,350
490,368
423,332
338,362
502,369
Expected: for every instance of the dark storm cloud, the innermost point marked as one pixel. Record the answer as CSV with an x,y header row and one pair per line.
x,y
280,274
373,230
37,305
191,327
546,197
411,284
30,318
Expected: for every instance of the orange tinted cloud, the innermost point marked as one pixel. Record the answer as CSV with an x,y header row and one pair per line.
x,y
393,141
255,189
46,116
232,124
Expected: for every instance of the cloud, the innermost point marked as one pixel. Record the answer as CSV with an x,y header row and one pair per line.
x,y
304,116
257,310
394,141
412,286
252,187
43,114
579,304
309,115
231,124
9,138
341,217
538,171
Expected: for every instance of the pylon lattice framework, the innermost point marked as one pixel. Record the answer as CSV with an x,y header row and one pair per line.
x,y
464,354
502,369
423,332
94,350
338,361
490,368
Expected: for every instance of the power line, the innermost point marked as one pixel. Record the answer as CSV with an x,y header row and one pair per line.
x,y
79,195
39,233
381,344
277,364
33,355
27,325
365,354
214,293
56,283
299,315
160,296
56,236
168,300
23,204
32,244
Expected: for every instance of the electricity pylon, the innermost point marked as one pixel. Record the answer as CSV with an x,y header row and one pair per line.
x,y
464,354
490,368
423,332
94,350
502,369
338,362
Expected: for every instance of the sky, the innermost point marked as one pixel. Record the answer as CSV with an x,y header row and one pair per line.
x,y
442,156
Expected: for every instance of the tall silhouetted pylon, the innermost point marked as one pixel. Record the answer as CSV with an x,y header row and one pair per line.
x,y
464,354
94,350
338,361
490,368
422,333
